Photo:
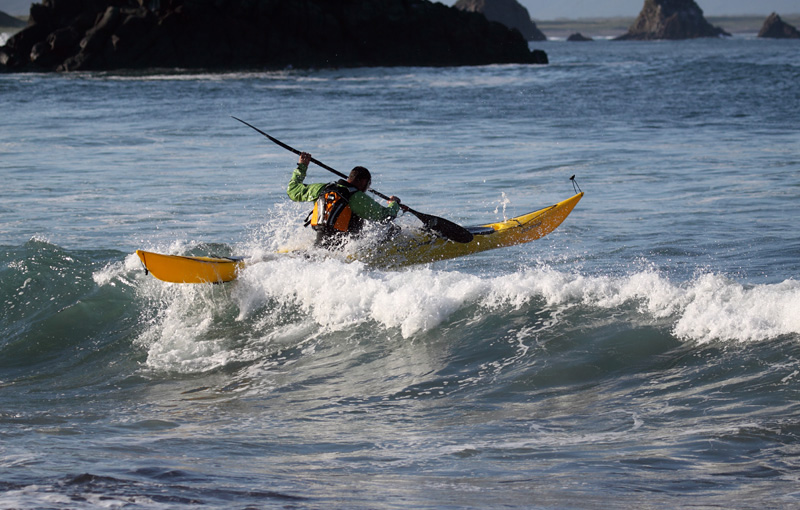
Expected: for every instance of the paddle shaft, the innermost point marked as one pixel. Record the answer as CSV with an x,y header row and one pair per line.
x,y
446,227
333,170
313,160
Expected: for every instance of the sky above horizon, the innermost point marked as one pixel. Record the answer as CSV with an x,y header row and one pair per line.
x,y
546,9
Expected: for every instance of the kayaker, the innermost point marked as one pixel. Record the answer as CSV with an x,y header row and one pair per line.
x,y
340,207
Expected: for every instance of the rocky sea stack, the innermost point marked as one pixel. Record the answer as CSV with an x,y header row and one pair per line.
x,y
775,28
508,12
579,37
67,35
671,19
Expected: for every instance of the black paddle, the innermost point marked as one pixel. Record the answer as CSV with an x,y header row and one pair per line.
x,y
445,227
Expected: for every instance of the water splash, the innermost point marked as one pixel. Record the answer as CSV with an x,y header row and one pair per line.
x,y
287,300
504,202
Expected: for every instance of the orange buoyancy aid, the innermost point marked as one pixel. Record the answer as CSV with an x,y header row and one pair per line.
x,y
332,211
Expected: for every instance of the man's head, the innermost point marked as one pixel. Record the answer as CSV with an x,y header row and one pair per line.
x,y
360,178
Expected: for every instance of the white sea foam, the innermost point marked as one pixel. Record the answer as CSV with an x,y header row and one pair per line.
x,y
288,299
189,332
718,308
707,308
335,295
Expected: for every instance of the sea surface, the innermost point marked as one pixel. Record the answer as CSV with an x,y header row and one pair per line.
x,y
646,354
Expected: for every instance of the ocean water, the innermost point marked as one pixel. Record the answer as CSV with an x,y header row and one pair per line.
x,y
644,355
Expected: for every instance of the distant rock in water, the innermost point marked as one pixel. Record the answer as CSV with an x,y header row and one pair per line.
x,y
508,12
775,28
8,21
70,35
578,37
671,19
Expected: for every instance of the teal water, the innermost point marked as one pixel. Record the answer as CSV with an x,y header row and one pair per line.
x,y
645,354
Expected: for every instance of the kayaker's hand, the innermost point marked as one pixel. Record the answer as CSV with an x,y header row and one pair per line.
x,y
305,159
394,199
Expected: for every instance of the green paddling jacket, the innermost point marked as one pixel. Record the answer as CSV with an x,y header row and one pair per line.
x,y
362,205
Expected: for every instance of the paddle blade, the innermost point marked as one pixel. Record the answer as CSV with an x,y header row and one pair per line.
x,y
446,228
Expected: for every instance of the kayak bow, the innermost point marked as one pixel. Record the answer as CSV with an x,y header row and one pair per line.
x,y
186,269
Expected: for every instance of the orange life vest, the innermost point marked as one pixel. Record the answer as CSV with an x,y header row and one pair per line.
x,y
332,211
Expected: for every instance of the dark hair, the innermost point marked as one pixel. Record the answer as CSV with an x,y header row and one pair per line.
x,y
359,173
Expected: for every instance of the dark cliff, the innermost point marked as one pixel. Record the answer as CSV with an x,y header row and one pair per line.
x,y
7,21
508,12
69,35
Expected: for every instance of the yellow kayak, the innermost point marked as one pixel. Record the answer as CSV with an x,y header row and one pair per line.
x,y
416,247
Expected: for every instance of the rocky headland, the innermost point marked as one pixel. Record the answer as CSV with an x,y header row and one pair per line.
x,y
70,35
508,12
8,21
671,19
775,28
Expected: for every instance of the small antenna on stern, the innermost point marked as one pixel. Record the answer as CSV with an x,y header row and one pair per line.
x,y
575,185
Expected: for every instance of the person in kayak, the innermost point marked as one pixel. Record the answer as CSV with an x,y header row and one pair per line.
x,y
340,207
